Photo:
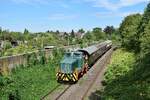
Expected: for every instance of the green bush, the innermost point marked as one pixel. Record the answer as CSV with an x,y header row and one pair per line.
x,y
33,81
125,79
122,62
7,45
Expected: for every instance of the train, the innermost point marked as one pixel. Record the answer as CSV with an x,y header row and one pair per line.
x,y
76,63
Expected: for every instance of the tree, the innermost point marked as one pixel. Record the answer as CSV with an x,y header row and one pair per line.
x,y
89,36
26,32
57,32
144,21
47,31
72,34
16,36
6,35
145,40
144,32
97,30
98,33
7,45
109,30
128,31
26,35
0,30
81,30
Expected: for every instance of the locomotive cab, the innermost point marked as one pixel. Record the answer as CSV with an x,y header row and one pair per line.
x,y
70,65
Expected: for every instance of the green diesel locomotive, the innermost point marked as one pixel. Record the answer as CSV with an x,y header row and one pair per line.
x,y
76,63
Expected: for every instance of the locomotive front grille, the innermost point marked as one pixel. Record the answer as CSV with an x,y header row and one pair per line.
x,y
67,77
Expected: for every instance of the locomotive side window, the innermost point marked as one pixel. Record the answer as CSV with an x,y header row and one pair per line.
x,y
77,55
67,54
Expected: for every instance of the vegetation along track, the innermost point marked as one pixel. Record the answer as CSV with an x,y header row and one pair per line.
x,y
81,88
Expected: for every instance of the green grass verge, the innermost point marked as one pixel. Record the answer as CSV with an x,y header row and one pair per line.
x,y
125,78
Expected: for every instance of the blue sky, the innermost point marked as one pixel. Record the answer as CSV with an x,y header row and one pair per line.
x,y
64,15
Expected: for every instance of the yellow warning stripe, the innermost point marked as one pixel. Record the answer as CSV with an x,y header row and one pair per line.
x,y
75,76
67,77
62,76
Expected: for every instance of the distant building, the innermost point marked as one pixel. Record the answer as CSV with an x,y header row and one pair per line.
x,y
14,43
1,44
49,47
48,51
63,34
79,35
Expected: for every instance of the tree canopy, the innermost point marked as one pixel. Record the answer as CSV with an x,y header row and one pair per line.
x,y
109,30
81,30
128,31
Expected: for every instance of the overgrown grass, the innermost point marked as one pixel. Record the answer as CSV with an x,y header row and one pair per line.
x,y
30,82
121,63
126,79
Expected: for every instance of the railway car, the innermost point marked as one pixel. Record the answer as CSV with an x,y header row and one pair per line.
x,y
76,63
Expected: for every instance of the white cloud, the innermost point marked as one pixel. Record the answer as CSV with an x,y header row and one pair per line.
x,y
59,3
62,17
108,4
115,6
115,14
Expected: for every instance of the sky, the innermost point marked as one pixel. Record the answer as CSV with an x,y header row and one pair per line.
x,y
65,15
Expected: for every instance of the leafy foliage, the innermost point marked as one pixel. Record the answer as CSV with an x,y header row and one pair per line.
x,y
72,34
81,30
32,81
27,41
145,40
18,50
125,80
144,34
128,31
144,21
119,67
7,45
95,35
109,30
127,77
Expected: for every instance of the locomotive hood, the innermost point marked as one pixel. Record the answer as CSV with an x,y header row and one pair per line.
x,y
68,61
67,65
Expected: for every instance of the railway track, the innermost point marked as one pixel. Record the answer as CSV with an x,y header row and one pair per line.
x,y
50,92
79,91
59,94
101,71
